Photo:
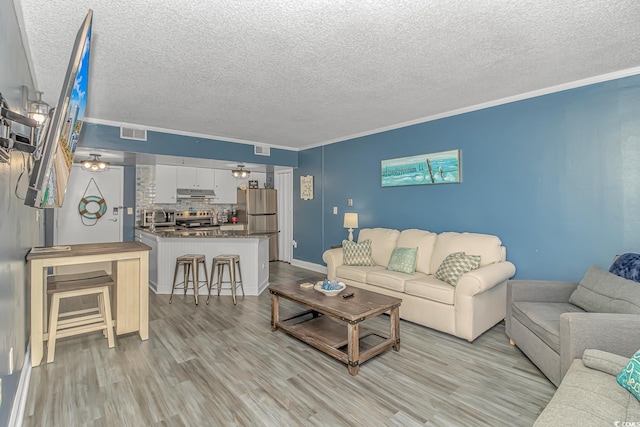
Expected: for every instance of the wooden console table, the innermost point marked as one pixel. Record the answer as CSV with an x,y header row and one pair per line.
x,y
130,271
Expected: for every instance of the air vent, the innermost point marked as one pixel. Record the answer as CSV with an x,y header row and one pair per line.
x,y
260,150
131,133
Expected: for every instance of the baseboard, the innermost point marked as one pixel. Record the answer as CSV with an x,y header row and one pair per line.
x,y
20,401
309,266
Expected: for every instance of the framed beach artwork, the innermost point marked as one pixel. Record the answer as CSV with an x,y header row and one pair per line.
x,y
433,168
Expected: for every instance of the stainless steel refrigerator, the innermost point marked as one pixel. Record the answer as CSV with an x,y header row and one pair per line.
x,y
258,209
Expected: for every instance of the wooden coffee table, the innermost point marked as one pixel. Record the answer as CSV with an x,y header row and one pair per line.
x,y
333,322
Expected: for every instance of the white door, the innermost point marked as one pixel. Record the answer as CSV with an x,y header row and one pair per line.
x,y
284,185
72,227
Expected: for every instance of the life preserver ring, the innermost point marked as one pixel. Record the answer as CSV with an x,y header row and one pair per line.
x,y
84,211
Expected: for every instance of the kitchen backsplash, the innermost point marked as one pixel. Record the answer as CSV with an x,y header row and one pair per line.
x,y
146,194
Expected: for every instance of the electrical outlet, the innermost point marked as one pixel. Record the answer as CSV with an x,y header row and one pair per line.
x,y
349,202
295,244
335,210
129,211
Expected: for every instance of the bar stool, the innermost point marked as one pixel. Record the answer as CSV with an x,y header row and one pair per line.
x,y
65,324
230,261
190,264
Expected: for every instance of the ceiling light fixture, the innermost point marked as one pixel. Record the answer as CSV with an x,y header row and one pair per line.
x,y
95,164
240,172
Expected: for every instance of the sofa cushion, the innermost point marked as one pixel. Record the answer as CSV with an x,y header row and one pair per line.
x,y
629,377
424,241
383,241
403,260
543,319
602,292
455,265
357,253
488,247
355,273
390,279
588,397
431,288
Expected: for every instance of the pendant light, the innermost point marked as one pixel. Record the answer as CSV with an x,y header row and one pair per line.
x,y
240,172
94,164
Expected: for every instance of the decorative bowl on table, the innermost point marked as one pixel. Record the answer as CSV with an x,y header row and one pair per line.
x,y
330,288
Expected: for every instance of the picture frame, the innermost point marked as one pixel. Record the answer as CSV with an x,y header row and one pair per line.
x,y
306,187
441,167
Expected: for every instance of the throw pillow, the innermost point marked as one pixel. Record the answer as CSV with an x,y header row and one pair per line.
x,y
403,260
455,265
627,266
629,377
357,253
602,292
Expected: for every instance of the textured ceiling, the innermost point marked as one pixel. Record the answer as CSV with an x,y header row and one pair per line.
x,y
298,73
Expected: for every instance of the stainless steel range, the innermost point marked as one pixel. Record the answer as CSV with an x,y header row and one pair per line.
x,y
192,219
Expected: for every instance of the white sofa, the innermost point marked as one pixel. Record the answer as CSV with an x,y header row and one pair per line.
x,y
467,310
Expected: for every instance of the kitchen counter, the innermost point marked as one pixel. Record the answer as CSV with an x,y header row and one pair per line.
x,y
209,232
168,243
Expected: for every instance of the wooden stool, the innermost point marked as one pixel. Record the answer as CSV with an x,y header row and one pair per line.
x,y
190,264
231,261
77,322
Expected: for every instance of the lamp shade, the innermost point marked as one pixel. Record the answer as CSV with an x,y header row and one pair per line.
x,y
350,220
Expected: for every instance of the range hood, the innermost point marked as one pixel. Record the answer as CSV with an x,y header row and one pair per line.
x,y
192,193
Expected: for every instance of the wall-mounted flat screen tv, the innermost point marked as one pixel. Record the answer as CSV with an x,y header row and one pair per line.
x,y
48,181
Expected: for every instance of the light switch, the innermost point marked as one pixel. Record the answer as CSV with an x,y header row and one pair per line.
x,y
335,210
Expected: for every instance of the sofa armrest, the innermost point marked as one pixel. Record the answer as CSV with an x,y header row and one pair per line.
x,y
539,291
333,259
611,332
484,278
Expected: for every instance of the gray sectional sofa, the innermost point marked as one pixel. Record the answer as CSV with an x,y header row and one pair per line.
x,y
589,395
554,322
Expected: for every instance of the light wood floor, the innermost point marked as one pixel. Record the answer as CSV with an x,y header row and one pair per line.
x,y
221,365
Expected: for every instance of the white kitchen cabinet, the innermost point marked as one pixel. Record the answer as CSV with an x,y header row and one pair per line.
x,y
166,180
196,178
226,187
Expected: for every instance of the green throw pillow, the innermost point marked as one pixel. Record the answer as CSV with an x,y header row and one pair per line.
x,y
403,260
629,377
357,253
455,265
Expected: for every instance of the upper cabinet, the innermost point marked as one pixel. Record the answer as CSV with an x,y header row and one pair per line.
x,y
196,178
166,179
226,186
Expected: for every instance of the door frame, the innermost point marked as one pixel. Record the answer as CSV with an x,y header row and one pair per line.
x,y
283,182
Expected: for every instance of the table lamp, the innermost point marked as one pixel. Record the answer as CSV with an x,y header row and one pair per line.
x,y
350,222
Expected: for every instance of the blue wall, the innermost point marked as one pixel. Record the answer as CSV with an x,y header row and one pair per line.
x,y
556,177
108,138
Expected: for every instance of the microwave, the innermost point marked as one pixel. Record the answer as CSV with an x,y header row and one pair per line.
x,y
158,217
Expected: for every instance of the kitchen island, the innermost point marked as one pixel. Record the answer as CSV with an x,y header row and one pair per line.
x,y
169,243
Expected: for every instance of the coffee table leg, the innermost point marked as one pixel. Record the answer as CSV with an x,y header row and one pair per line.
x,y
275,312
395,327
353,348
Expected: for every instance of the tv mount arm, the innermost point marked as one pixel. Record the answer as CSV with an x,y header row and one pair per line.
x,y
10,140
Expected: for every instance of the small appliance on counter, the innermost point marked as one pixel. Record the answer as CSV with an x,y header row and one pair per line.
x,y
158,217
